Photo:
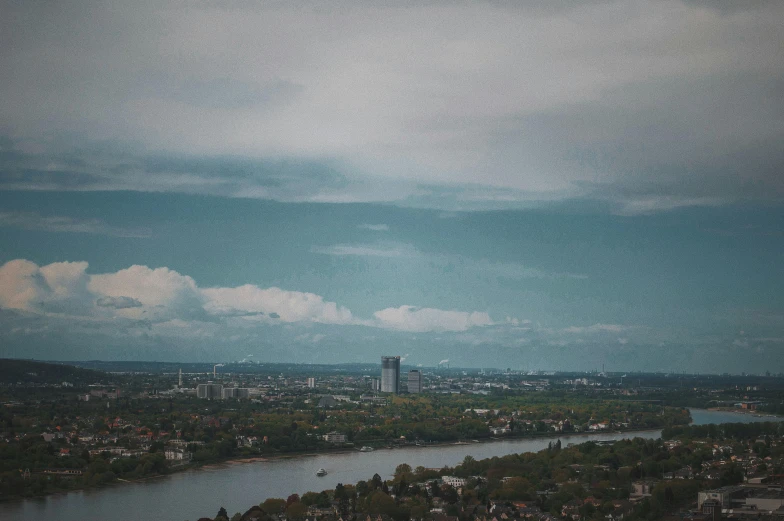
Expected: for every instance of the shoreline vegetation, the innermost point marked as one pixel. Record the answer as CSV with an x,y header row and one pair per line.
x,y
749,412
634,479
239,460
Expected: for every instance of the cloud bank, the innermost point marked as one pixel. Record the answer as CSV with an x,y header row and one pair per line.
x,y
162,296
649,106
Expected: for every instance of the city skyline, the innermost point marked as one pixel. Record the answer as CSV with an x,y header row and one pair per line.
x,y
536,186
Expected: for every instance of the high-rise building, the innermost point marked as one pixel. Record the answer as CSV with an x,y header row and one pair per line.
x,y
375,384
209,390
390,374
414,381
239,393
311,382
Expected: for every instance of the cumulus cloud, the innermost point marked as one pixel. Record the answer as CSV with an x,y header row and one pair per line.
x,y
118,302
413,319
288,306
164,301
57,287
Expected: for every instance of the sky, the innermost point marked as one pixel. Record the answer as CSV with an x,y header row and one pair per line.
x,y
537,185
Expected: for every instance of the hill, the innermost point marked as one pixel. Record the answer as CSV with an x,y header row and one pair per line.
x,y
31,371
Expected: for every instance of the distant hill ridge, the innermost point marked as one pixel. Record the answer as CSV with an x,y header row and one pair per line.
x,y
33,371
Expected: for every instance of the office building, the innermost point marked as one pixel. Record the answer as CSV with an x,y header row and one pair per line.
x,y
209,391
375,384
311,382
235,393
390,374
414,381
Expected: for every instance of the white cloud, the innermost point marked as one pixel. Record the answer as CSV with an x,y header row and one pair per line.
x,y
308,338
57,287
21,284
597,328
367,250
288,306
163,293
413,319
59,223
374,227
163,301
482,267
653,204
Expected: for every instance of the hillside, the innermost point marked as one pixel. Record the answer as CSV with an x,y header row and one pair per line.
x,y
31,371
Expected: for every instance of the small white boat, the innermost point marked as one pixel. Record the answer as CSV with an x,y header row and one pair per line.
x,y
321,472
366,449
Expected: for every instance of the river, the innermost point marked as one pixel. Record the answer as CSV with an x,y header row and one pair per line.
x,y
193,494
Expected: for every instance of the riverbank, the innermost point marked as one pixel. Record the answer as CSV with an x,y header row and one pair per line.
x,y
213,465
756,414
346,450
187,495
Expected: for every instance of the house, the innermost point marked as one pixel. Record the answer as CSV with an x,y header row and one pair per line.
x,y
643,488
174,454
684,473
501,431
571,509
453,481
335,437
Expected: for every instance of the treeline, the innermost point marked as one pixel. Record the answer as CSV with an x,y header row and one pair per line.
x,y
723,431
23,466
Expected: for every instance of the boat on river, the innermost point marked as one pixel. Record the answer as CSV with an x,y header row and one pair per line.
x,y
366,449
321,472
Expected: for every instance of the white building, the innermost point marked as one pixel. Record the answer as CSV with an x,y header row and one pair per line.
x,y
177,454
335,437
453,481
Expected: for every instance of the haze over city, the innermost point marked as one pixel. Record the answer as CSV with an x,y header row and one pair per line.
x,y
538,186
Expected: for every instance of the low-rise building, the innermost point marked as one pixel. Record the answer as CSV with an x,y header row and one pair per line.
x,y
335,437
453,481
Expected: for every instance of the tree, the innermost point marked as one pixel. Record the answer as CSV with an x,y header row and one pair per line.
x,y
402,470
381,503
222,514
341,496
296,510
449,494
362,488
274,505
294,498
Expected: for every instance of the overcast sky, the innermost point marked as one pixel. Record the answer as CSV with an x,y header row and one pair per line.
x,y
542,185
